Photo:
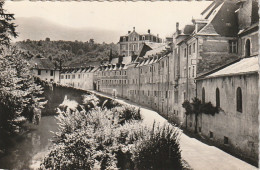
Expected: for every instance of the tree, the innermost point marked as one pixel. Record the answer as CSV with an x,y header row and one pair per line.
x,y
47,39
7,28
19,95
197,108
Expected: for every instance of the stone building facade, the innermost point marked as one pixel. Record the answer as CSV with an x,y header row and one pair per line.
x,y
45,70
131,43
234,89
163,75
81,78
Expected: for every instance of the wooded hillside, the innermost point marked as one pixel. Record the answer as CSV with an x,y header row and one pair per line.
x,y
73,53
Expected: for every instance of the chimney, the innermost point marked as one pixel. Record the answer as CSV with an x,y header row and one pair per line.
x,y
133,29
149,31
129,32
177,26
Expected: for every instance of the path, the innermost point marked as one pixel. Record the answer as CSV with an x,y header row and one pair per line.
x,y
198,155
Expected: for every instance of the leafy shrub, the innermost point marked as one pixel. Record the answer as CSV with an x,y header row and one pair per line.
x,y
160,150
90,101
108,103
126,113
109,139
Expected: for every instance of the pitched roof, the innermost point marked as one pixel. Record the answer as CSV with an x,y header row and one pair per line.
x,y
42,63
208,30
244,66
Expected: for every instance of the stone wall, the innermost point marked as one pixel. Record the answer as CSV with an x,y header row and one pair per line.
x,y
241,129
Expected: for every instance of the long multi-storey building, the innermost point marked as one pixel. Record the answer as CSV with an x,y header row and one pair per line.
x,y
213,59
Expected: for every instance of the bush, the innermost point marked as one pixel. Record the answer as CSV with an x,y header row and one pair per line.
x,y
90,101
127,113
160,150
110,139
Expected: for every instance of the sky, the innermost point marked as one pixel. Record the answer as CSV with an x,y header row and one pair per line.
x,y
159,17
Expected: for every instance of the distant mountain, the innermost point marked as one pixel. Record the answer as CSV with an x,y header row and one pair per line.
x,y
35,28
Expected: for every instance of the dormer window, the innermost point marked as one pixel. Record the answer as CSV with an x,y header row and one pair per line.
x,y
143,38
124,39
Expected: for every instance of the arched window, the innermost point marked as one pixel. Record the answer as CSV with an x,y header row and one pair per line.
x,y
217,98
203,95
247,49
239,100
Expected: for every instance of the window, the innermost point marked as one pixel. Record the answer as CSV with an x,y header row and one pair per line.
x,y
79,76
166,94
176,96
210,134
189,72
185,52
39,72
203,95
51,73
46,71
232,46
193,47
217,98
133,47
143,37
239,100
73,76
141,70
247,49
193,71
189,49
66,77
225,140
124,39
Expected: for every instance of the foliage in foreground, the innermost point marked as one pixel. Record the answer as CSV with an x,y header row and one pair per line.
x,y
111,139
19,94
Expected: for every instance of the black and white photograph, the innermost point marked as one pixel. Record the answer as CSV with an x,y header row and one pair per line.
x,y
129,85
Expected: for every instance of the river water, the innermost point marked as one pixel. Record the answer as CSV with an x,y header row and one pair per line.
x,y
28,149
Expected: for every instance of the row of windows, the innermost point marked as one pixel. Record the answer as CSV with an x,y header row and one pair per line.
x,y
111,82
239,103
233,48
112,73
153,38
186,52
73,76
40,72
191,71
164,94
